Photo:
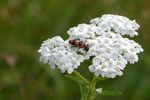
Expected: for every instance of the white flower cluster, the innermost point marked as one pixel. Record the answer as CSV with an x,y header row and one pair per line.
x,y
83,32
119,24
112,54
57,53
109,49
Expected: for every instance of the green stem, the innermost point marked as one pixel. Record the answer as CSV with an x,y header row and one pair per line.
x,y
81,77
88,88
91,89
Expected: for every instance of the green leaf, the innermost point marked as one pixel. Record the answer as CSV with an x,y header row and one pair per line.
x,y
111,93
100,79
72,78
83,89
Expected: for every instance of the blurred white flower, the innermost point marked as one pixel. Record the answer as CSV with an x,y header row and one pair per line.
x,y
108,49
99,91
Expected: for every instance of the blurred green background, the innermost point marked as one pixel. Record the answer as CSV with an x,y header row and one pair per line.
x,y
25,24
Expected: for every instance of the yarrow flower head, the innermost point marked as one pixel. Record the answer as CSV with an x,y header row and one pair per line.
x,y
57,53
109,51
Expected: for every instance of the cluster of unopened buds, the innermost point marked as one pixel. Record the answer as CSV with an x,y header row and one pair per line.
x,y
101,41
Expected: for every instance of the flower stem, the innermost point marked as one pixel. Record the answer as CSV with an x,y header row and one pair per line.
x,y
87,89
81,77
91,89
